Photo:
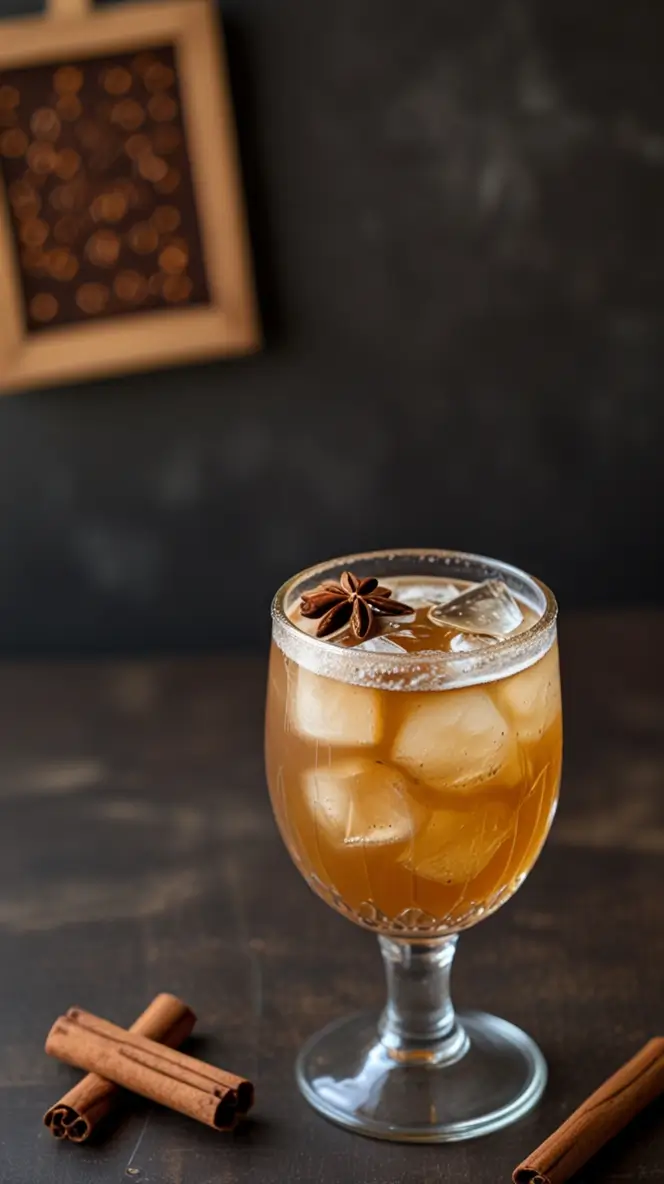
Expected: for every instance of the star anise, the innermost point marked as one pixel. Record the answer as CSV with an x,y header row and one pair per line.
x,y
352,599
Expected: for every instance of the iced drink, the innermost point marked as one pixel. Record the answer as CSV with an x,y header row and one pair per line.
x,y
416,810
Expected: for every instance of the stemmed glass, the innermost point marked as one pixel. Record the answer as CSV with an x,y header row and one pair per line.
x,y
414,791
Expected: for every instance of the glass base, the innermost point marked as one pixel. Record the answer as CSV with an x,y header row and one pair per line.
x,y
485,1075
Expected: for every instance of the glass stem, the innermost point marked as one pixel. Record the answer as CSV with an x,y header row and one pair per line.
x,y
419,1023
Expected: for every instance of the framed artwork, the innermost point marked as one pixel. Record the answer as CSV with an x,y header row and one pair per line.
x,y
123,242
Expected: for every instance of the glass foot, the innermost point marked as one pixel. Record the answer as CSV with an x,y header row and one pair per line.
x,y
487,1074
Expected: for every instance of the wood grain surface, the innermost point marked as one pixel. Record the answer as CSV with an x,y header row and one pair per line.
x,y
139,855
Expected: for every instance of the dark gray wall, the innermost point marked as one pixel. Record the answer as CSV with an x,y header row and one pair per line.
x,y
457,212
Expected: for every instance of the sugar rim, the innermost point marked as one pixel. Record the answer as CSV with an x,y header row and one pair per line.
x,y
426,670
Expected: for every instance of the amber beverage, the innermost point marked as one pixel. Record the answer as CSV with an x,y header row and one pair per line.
x,y
413,753
414,810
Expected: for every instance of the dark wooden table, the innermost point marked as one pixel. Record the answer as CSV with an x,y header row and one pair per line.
x,y
139,854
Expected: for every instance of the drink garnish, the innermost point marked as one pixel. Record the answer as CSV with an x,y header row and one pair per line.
x,y
350,600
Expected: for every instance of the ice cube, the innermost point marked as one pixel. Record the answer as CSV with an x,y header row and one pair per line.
x,y
469,643
454,739
381,645
334,712
420,595
361,802
457,845
531,699
488,609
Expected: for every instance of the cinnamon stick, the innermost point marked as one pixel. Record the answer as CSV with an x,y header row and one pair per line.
x,y
75,1116
598,1119
153,1070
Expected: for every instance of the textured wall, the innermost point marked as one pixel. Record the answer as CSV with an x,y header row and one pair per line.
x,y
457,216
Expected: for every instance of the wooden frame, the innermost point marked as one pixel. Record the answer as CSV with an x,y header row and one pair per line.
x,y
229,323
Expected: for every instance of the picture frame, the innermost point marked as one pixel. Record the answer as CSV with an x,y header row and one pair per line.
x,y
226,321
